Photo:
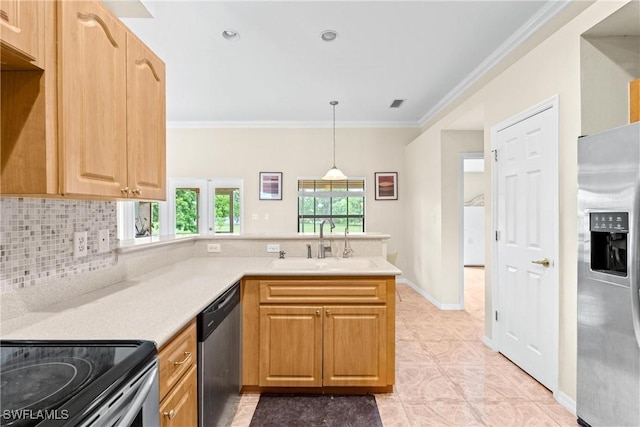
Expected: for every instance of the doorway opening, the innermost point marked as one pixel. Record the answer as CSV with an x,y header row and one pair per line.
x,y
472,240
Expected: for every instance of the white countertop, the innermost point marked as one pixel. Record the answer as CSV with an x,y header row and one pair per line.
x,y
156,305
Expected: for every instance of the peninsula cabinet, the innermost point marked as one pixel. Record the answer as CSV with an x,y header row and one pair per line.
x,y
21,34
312,332
92,125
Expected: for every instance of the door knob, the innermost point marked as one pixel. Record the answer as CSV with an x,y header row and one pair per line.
x,y
543,262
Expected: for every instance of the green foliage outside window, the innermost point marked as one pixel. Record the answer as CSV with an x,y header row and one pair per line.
x,y
186,211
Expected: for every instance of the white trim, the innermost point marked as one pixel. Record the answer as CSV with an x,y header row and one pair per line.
x,y
301,124
489,343
537,21
567,402
551,103
428,297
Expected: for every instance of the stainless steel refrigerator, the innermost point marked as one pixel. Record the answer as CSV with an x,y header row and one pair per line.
x,y
608,382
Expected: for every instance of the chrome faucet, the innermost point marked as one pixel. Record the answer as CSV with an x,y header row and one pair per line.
x,y
308,251
322,249
347,247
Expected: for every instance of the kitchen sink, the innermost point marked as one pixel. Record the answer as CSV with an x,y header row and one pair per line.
x,y
333,264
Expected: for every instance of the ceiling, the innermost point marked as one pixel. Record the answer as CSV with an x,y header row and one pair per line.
x,y
280,73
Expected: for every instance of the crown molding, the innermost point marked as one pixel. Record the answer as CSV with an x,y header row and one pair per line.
x,y
288,125
534,24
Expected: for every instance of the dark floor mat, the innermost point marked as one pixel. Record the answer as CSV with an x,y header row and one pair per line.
x,y
298,410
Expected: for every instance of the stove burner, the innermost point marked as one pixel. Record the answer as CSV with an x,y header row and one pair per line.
x,y
45,383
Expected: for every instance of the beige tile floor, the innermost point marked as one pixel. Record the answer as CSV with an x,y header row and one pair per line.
x,y
445,375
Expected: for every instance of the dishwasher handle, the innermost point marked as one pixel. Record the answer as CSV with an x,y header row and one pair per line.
x,y
217,311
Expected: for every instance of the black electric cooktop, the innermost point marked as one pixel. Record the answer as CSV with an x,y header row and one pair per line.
x,y
55,382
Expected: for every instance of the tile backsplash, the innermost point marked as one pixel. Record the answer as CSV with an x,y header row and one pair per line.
x,y
36,239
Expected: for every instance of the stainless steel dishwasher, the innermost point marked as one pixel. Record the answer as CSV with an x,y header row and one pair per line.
x,y
219,360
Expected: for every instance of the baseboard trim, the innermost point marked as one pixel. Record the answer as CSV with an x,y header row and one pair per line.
x,y
429,297
566,401
489,343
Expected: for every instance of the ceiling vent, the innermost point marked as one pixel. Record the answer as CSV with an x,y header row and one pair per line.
x,y
396,103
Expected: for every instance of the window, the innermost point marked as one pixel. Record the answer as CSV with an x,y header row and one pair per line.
x,y
193,206
227,203
342,201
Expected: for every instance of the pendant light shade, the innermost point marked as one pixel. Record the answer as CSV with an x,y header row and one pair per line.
x,y
334,174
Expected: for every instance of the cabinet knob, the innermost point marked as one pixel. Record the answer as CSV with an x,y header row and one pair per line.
x,y
170,414
125,190
318,313
137,192
328,313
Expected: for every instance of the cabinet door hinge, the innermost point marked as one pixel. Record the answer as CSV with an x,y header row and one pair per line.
x,y
496,315
497,235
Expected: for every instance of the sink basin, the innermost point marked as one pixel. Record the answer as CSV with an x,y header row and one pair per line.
x,y
333,264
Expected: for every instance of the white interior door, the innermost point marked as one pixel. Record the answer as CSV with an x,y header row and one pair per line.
x,y
526,318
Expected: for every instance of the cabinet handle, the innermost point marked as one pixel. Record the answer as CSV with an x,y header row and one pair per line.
x,y
137,192
170,414
125,190
328,312
187,355
318,313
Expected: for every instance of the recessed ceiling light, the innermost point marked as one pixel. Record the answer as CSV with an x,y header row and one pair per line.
x,y
329,35
231,35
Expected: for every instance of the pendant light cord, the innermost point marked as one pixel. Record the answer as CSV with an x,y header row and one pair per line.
x,y
334,103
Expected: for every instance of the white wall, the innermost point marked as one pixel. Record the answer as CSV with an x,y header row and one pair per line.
x,y
551,68
473,183
299,152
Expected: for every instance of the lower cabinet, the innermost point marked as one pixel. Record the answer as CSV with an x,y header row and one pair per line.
x,y
180,407
178,379
313,346
318,332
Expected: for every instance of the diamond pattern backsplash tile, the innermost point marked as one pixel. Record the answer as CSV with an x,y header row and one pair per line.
x,y
36,239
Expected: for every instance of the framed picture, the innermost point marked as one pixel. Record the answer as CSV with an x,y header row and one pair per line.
x,y
386,185
270,185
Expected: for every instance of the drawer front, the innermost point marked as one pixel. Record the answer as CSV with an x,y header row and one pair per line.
x,y
323,291
176,358
180,408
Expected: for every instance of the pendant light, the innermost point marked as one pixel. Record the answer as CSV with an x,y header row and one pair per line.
x,y
334,173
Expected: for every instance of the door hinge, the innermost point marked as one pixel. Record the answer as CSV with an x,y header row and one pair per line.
x,y
495,155
496,315
497,235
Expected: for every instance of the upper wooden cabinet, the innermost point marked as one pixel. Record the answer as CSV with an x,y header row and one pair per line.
x,y
92,104
146,119
21,33
92,125
112,108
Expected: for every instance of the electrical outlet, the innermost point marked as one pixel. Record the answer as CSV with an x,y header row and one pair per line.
x,y
266,217
213,247
273,247
255,216
79,244
103,241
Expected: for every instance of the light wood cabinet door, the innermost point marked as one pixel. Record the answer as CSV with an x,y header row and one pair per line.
x,y
290,346
146,123
20,25
355,346
180,408
92,100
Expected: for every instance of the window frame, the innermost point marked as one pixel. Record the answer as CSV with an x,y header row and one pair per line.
x,y
331,195
167,209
